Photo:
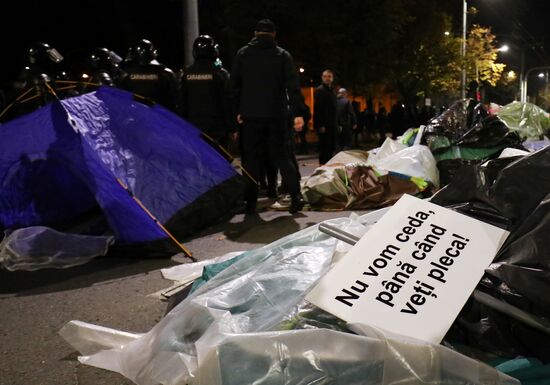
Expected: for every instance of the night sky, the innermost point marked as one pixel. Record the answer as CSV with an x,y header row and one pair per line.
x,y
76,27
521,24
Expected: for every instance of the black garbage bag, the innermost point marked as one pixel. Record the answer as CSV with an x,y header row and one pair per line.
x,y
510,188
513,194
489,131
449,168
443,130
467,123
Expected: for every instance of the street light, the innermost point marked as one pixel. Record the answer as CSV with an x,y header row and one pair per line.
x,y
523,95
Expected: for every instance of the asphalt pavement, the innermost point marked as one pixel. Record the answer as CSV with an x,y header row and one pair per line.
x,y
116,293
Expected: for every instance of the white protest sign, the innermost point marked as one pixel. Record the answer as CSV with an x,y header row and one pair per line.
x,y
412,272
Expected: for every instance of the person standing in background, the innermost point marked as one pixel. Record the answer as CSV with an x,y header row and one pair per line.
x,y
347,121
325,116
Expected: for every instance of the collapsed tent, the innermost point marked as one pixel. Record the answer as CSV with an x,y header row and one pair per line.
x,y
357,180
146,169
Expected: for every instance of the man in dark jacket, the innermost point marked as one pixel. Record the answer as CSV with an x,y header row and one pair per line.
x,y
205,92
38,77
325,116
267,98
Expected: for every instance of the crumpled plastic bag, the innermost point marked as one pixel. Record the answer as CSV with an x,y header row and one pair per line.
x,y
529,120
39,247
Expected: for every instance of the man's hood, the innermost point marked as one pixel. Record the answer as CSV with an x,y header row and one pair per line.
x,y
262,42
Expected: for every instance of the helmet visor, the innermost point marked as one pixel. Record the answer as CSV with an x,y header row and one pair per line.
x,y
54,55
114,58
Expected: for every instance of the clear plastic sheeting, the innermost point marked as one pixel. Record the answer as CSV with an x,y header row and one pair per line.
x,y
234,330
93,338
40,247
188,272
321,356
529,120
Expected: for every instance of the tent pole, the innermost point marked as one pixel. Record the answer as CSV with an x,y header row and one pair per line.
x,y
180,245
15,101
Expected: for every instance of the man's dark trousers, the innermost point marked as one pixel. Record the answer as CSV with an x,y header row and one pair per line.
x,y
277,134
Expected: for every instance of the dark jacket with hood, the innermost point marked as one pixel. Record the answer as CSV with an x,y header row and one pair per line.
x,y
264,82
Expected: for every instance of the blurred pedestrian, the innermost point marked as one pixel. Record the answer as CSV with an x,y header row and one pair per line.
x,y
347,121
267,98
358,132
381,125
396,119
369,121
325,116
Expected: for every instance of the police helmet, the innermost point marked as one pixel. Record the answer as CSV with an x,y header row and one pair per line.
x,y
143,52
43,56
205,47
104,59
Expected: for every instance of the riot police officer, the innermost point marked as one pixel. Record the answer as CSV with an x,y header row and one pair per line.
x,y
145,76
35,84
104,65
205,91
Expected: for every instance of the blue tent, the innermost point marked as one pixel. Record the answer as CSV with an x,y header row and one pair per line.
x,y
105,149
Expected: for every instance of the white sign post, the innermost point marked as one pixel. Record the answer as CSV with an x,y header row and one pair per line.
x,y
412,272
